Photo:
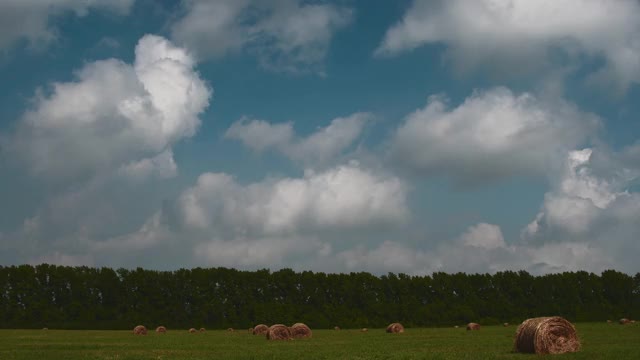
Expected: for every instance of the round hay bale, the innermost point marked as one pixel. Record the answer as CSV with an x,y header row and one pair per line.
x,y
632,321
300,331
505,324
230,330
279,332
546,335
140,330
456,326
203,329
161,329
473,326
45,328
193,330
336,328
609,321
364,330
624,321
395,328
260,329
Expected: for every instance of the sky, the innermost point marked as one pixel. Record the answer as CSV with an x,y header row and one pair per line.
x,y
411,136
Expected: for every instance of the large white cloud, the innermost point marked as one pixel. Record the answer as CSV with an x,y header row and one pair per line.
x,y
520,35
114,114
317,148
492,134
274,222
285,35
28,20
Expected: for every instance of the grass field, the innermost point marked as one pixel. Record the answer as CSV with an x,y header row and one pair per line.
x,y
599,341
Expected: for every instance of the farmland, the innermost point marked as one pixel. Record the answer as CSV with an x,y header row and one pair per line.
x,y
599,341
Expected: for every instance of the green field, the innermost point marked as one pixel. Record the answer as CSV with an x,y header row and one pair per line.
x,y
599,341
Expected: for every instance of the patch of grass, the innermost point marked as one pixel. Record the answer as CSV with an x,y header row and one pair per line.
x,y
599,341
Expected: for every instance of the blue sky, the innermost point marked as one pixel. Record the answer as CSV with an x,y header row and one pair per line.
x,y
405,136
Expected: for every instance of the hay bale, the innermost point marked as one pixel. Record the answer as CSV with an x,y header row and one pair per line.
x,y
473,326
250,330
609,321
546,335
364,330
260,329
505,324
161,329
45,328
456,326
300,331
624,321
336,328
140,330
279,332
203,329
230,330
395,328
193,330
632,321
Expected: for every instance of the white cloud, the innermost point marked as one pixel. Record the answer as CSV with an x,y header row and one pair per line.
x,y
483,235
520,35
317,148
114,114
343,197
285,35
492,134
161,166
28,20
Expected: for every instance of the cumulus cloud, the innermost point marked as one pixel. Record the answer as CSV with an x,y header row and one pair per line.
x,y
290,35
317,148
492,134
519,35
274,222
591,207
114,115
29,20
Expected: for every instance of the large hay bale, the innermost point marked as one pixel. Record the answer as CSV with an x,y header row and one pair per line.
x,y
279,332
193,330
230,330
624,321
546,335
260,329
395,328
161,329
140,330
336,328
505,324
300,331
473,326
364,330
203,329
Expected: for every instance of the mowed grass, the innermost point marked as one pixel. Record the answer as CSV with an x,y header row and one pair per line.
x,y
599,341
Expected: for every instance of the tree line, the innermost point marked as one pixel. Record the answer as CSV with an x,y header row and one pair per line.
x,y
104,298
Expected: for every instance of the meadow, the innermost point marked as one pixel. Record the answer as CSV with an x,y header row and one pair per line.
x,y
599,341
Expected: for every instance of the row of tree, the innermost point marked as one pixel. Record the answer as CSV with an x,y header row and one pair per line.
x,y
104,298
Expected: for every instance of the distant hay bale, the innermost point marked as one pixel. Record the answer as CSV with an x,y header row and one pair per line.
x,y
230,330
395,328
161,329
546,335
140,330
250,330
632,321
279,332
260,329
336,328
505,324
624,321
193,330
300,331
473,326
203,329
364,330
45,328
609,321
